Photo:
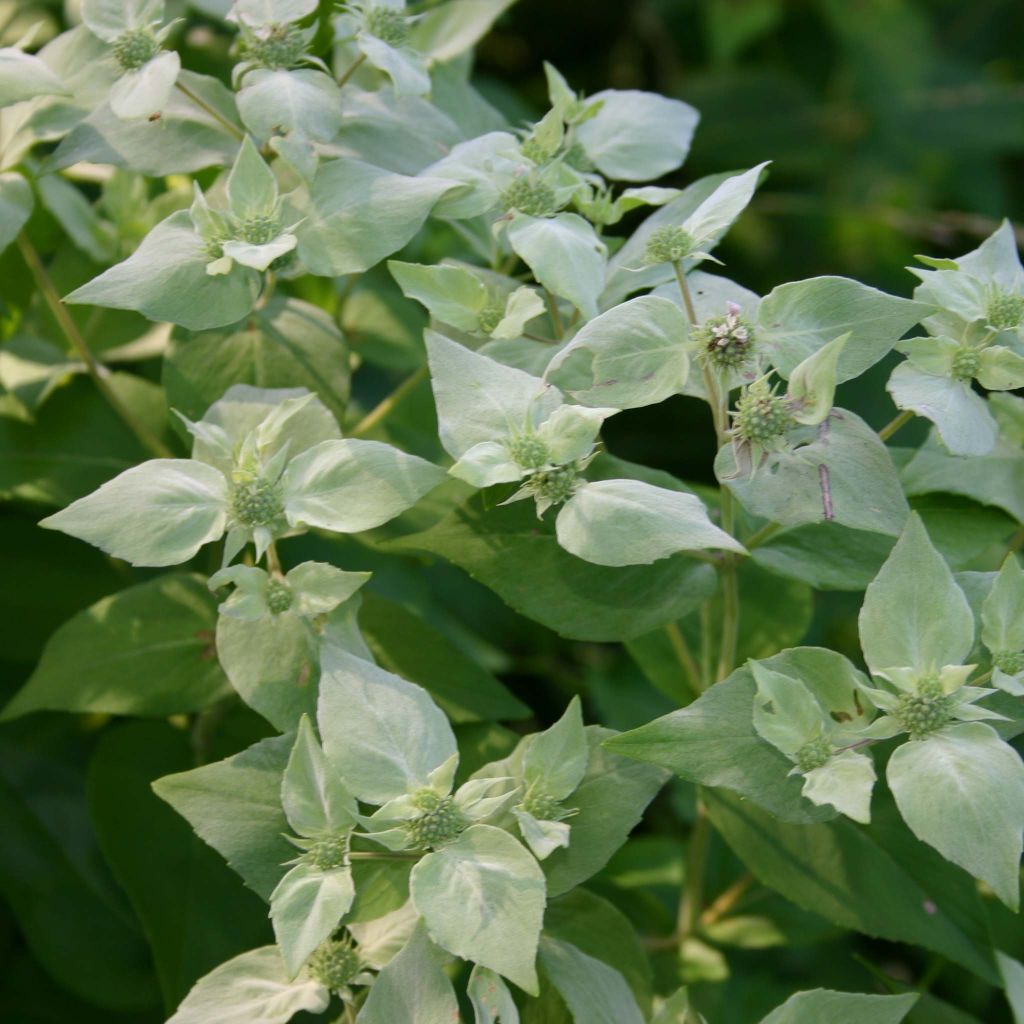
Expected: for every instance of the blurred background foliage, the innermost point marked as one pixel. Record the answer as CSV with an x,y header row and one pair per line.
x,y
895,127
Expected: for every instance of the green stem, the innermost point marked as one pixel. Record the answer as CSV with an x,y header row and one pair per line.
x,y
556,316
758,537
682,651
375,855
273,560
684,291
893,425
383,410
212,111
96,370
351,69
691,905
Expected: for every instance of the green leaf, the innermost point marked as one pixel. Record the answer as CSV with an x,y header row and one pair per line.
x,y
16,200
960,415
407,645
887,883
492,1002
481,400
610,801
200,915
413,988
1002,615
637,136
79,444
785,711
314,798
144,651
234,805
797,319
304,101
593,991
812,384
858,487
556,759
272,664
631,356
482,898
52,875
826,555
628,522
306,908
844,782
716,214
842,1008
357,214
159,513
186,137
445,32
520,559
601,930
166,279
286,344
253,986
384,735
713,742
451,294
24,76
961,790
565,255
349,486
914,615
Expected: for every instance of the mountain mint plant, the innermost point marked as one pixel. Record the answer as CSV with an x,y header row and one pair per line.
x,y
412,801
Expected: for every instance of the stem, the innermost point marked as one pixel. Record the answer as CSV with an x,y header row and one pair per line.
x,y
273,560
96,370
381,855
758,537
727,901
893,425
351,69
684,291
381,411
540,337
682,651
214,113
693,884
556,316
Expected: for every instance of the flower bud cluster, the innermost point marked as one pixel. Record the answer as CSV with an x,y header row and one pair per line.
x,y
726,341
927,710
135,47
335,964
439,821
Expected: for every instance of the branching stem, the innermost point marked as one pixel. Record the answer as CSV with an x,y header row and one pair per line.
x,y
351,69
381,411
97,371
894,424
233,129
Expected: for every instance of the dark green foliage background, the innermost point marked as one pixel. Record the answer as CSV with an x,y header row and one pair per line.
x,y
895,127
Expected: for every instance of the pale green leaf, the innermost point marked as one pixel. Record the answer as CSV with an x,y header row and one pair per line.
x,y
482,897
961,790
450,29
637,136
492,1002
383,734
166,279
838,472
254,986
555,760
914,615
631,356
314,798
479,399
1002,614
306,908
274,102
717,212
844,782
24,76
797,319
158,513
628,522
565,255
348,486
142,92
452,294
412,988
960,415
357,214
